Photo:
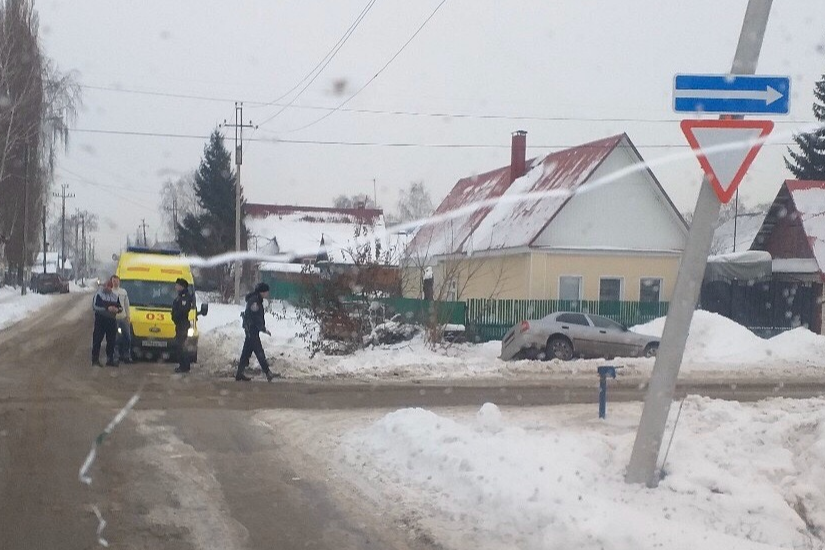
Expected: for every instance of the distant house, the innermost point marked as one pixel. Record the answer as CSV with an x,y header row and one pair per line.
x,y
53,263
292,237
585,223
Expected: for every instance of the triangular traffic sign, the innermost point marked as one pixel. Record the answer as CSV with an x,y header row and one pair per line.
x,y
725,149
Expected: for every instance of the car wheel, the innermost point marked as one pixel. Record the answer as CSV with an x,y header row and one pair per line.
x,y
651,350
559,348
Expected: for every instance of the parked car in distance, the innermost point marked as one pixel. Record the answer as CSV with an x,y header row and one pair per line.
x,y
49,283
565,335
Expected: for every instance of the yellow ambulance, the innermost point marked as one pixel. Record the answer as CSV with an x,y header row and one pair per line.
x,y
149,276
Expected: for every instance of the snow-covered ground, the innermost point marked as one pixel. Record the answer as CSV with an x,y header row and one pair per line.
x,y
14,307
738,476
716,347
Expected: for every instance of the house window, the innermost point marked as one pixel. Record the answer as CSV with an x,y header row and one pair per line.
x,y
570,288
650,289
610,289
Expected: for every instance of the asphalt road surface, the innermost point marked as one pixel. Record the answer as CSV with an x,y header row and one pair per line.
x,y
187,468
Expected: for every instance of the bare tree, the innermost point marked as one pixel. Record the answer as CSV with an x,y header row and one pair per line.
x,y
414,203
37,104
177,200
353,201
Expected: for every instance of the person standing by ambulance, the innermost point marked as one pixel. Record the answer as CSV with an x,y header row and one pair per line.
x,y
106,305
180,316
124,322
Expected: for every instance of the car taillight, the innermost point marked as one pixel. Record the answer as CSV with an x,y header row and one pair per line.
x,y
525,326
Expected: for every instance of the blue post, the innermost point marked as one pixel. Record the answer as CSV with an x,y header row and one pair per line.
x,y
604,372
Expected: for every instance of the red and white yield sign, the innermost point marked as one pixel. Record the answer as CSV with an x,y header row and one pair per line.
x,y
725,149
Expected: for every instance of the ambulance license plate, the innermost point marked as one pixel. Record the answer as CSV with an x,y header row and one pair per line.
x,y
154,344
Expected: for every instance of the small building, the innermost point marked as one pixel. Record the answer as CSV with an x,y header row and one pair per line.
x,y
793,232
292,239
590,222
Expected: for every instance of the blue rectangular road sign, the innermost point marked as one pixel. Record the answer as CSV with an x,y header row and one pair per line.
x,y
731,94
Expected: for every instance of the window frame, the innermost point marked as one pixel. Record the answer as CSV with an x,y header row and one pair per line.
x,y
661,284
614,278
581,287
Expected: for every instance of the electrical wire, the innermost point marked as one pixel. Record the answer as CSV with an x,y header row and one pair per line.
x,y
325,61
400,112
376,75
276,141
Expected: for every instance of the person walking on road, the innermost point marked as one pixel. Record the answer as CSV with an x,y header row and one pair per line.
x,y
254,323
180,316
124,323
106,306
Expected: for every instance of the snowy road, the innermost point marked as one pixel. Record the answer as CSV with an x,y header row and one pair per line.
x,y
196,465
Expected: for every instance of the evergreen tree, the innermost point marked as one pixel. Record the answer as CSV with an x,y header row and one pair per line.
x,y
211,231
809,162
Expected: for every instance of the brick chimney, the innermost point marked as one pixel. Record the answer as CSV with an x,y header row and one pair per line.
x,y
518,155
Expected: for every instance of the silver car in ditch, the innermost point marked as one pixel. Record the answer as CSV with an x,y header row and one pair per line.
x,y
565,335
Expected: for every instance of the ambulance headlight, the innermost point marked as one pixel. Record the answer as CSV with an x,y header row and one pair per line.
x,y
190,333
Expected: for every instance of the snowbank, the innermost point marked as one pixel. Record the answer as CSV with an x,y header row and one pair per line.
x,y
715,344
14,307
738,477
717,340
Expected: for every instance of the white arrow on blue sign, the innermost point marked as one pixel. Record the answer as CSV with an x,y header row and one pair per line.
x,y
731,94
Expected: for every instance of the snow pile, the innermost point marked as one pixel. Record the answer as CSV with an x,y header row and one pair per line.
x,y
14,307
391,332
738,477
718,340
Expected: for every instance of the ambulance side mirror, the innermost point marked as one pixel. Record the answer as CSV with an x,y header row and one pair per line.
x,y
204,310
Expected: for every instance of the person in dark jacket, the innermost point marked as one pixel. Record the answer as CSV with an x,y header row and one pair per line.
x,y
254,323
180,316
106,305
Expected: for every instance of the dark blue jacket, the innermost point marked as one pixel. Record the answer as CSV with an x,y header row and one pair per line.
x,y
253,315
181,307
103,300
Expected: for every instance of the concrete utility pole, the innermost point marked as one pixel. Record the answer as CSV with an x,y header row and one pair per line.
x,y
45,244
645,456
238,126
24,246
83,244
143,227
63,195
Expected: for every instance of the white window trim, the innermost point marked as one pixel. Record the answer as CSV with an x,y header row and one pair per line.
x,y
581,285
621,285
661,285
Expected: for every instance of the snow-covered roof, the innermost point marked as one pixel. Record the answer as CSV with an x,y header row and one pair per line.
x,y
521,209
296,232
52,262
747,226
809,199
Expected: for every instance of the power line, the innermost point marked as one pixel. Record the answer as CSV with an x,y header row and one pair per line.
x,y
323,63
402,112
381,70
276,141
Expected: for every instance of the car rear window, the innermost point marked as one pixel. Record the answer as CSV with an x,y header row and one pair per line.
x,y
573,318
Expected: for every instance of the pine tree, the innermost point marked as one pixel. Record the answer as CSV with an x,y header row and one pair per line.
x,y
809,162
212,230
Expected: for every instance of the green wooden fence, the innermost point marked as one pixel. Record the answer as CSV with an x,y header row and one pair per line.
x,y
490,319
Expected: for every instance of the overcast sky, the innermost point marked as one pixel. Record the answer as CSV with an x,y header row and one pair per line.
x,y
578,70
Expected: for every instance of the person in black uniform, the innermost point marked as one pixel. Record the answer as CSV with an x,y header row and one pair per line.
x,y
180,316
254,324
106,306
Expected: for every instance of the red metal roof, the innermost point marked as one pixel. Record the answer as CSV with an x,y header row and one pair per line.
x,y
800,185
514,220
